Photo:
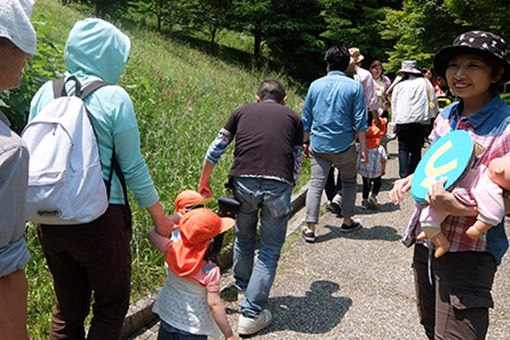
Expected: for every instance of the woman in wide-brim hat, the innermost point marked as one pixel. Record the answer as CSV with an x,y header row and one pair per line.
x,y
458,301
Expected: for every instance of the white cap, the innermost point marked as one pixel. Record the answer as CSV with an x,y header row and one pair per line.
x,y
15,24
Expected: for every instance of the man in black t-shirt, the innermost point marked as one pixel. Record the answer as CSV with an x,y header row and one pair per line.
x,y
267,161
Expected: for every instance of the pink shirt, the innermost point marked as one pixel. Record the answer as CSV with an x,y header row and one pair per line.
x,y
366,80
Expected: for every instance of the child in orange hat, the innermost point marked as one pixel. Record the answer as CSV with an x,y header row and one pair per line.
x,y
186,200
372,172
189,304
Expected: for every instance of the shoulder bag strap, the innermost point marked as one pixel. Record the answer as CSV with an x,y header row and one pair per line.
x,y
116,167
431,103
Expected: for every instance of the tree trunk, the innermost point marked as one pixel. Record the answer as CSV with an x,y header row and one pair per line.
x,y
258,40
159,19
213,37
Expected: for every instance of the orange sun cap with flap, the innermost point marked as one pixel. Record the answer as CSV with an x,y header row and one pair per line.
x,y
197,228
188,198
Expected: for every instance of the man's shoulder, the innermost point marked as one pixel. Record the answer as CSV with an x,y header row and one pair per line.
x,y
320,82
325,79
266,106
10,142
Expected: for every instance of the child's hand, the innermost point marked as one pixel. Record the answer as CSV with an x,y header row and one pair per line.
x,y
175,219
363,157
164,229
399,188
160,242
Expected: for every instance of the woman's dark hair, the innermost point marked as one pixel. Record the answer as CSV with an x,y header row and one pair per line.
x,y
377,61
338,58
494,64
214,248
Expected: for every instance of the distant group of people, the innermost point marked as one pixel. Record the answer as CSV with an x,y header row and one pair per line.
x,y
342,126
453,283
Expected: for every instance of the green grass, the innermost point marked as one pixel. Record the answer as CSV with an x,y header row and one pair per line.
x,y
182,97
506,97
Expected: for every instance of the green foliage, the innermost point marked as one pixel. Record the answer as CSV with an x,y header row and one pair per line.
x,y
489,15
294,32
420,28
211,15
356,23
106,9
424,26
45,64
167,12
506,98
293,37
251,16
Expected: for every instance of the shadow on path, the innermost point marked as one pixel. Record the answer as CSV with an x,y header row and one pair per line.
x,y
377,232
318,312
382,208
386,185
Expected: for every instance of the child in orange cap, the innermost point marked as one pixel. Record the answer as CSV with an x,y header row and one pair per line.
x,y
372,172
189,304
184,201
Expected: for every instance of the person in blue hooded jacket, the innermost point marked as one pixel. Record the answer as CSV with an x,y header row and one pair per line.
x,y
96,256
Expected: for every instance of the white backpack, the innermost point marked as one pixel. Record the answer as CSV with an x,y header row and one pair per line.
x,y
65,183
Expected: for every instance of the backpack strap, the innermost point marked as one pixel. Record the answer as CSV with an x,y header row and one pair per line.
x,y
59,87
116,167
59,90
96,84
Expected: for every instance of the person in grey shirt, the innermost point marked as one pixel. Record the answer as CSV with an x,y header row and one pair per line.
x,y
17,44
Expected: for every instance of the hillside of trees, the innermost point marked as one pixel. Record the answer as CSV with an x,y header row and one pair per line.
x,y
295,33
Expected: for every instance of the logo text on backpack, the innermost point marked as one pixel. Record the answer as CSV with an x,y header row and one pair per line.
x,y
54,212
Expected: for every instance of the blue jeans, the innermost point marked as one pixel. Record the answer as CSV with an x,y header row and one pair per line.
x,y
168,332
272,199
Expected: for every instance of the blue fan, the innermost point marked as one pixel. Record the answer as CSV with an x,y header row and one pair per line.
x,y
451,156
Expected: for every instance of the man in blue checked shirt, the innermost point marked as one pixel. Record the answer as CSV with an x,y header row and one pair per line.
x,y
267,161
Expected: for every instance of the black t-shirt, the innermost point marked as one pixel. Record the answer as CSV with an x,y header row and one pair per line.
x,y
265,136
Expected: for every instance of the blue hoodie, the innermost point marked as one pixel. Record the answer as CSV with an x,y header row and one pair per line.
x,y
96,49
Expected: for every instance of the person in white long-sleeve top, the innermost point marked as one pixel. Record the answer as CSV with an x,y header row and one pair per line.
x,y
413,105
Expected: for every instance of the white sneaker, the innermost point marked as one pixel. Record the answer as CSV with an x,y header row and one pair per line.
x,y
249,326
337,200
